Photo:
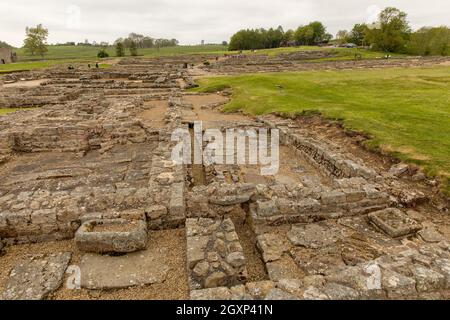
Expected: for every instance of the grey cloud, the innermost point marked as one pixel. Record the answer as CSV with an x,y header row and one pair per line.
x,y
195,20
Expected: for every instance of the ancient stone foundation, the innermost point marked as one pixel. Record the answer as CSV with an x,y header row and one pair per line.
x,y
92,163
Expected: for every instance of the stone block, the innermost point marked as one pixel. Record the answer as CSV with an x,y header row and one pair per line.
x,y
394,222
156,212
333,198
177,202
109,236
266,208
427,280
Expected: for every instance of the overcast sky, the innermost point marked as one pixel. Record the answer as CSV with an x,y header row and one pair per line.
x,y
191,21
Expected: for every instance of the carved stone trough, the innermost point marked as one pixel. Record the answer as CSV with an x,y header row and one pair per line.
x,y
112,236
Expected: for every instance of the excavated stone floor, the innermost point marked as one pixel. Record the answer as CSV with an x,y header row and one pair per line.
x,y
335,222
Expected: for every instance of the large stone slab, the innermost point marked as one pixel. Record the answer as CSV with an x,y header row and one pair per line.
x,y
430,234
394,222
35,276
133,269
314,235
272,246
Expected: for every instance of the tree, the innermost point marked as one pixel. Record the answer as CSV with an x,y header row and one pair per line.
x,y
430,41
320,32
251,39
224,43
392,31
358,34
312,34
120,50
102,54
133,49
148,42
36,40
5,45
327,37
342,37
138,40
273,37
288,37
304,35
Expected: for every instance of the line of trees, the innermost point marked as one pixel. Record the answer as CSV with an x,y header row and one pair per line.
x,y
139,40
257,39
430,41
143,42
392,33
249,39
86,43
5,45
136,41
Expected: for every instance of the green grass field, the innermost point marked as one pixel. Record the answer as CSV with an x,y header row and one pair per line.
x,y
90,52
34,65
405,111
341,53
84,54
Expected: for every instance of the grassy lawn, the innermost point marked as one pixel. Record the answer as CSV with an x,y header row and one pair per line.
x,y
23,66
90,52
341,53
405,111
85,54
34,65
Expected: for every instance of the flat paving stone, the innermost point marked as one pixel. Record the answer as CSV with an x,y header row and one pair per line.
x,y
35,276
363,226
315,235
394,222
430,234
115,272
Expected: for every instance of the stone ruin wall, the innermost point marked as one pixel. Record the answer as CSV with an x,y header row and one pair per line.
x,y
25,220
81,126
140,182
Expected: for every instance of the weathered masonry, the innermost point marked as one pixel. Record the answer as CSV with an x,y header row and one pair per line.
x,y
92,163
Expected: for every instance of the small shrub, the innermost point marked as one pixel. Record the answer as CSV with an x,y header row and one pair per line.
x,y
102,54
